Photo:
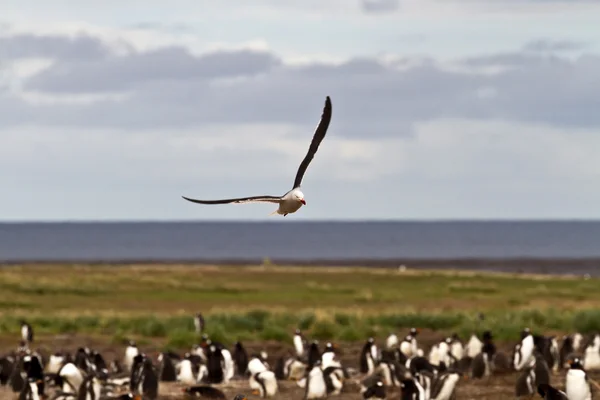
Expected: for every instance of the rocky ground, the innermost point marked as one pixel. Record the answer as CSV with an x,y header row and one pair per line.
x,y
495,388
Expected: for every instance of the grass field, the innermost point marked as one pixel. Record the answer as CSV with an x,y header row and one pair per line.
x,y
268,302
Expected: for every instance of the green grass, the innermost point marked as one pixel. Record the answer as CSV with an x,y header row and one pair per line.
x,y
268,303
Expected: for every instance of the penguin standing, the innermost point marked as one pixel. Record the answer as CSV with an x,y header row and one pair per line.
x,y
214,364
313,354
391,343
26,332
315,383
473,346
367,361
444,385
591,354
199,323
523,351
411,390
457,349
299,343
577,385
167,370
130,352
228,365
240,358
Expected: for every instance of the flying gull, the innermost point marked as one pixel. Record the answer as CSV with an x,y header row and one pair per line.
x,y
294,199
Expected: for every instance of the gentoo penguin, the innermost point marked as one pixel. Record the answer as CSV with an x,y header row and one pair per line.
x,y
391,342
548,392
456,347
240,358
315,387
69,378
188,370
228,365
482,364
215,363
264,384
525,385
34,371
591,354
375,392
367,358
199,323
299,343
26,332
567,350
577,385
411,390
473,346
443,385
130,352
167,371
207,392
90,389
313,354
523,351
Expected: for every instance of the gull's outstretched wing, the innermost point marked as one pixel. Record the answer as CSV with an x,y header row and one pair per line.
x,y
316,141
253,199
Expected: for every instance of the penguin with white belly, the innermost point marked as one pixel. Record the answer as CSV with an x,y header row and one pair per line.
x,y
299,343
591,354
444,385
523,351
130,352
577,384
367,360
315,386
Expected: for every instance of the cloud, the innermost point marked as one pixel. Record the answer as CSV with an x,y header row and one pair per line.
x,y
375,6
546,45
166,64
80,47
172,87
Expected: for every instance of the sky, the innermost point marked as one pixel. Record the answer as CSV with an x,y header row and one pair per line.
x,y
442,109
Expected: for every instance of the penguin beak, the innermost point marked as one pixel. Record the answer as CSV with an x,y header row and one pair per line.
x,y
303,201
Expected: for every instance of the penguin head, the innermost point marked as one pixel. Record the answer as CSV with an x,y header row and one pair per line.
x,y
525,332
297,331
414,332
131,344
371,340
575,363
487,335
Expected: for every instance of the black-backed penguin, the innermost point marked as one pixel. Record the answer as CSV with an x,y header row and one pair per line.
x,y
147,383
525,385
444,385
548,347
7,364
591,354
240,358
26,332
90,389
411,390
207,392
577,385
523,351
313,354
419,364
368,357
166,368
299,343
199,323
130,352
548,392
482,364
375,392
215,364
34,371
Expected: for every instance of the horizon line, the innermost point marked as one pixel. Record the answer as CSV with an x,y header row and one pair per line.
x,y
311,220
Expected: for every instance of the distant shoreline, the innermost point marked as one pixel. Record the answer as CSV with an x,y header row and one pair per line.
x,y
550,266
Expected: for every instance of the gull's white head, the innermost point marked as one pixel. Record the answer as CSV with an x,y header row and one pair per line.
x,y
298,195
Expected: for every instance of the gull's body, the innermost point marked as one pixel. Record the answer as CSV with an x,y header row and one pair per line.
x,y
290,202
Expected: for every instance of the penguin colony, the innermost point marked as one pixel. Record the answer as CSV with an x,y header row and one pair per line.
x,y
399,370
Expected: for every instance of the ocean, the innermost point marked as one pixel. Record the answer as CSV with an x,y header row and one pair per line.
x,y
549,246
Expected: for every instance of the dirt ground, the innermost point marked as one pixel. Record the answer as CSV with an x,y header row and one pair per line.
x,y
495,388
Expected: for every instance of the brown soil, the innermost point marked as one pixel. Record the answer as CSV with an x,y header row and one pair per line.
x,y
496,388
